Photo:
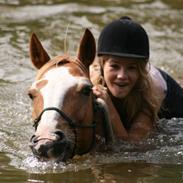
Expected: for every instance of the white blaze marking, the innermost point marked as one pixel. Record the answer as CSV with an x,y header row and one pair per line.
x,y
59,82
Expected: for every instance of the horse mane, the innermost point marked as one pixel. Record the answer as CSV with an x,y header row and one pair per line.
x,y
61,60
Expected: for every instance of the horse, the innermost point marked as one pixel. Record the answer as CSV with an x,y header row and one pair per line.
x,y
68,119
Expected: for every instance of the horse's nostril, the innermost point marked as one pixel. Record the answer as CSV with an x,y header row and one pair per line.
x,y
60,135
34,139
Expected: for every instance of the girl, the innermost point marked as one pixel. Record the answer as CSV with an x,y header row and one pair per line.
x,y
137,94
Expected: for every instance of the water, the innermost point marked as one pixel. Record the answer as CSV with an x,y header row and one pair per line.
x,y
158,159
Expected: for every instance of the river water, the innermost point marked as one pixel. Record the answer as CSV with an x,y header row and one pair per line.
x,y
158,159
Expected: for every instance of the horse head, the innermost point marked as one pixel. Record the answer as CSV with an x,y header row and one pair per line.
x,y
63,102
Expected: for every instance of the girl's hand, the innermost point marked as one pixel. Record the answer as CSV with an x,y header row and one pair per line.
x,y
101,92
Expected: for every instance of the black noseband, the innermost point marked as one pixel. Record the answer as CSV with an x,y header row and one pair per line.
x,y
71,123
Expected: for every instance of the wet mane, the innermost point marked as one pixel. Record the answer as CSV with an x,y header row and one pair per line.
x,y
60,60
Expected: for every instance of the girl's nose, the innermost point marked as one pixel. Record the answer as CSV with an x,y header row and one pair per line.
x,y
122,74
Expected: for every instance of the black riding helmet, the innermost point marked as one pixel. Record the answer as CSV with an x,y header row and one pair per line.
x,y
124,38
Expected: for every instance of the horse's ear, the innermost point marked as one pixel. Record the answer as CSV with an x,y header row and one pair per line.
x,y
37,53
87,48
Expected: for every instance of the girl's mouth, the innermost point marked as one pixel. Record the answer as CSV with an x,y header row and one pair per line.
x,y
121,85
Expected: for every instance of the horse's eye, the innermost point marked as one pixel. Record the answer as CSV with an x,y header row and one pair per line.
x,y
32,93
86,90
31,96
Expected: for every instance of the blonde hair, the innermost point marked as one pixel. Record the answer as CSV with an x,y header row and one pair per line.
x,y
142,98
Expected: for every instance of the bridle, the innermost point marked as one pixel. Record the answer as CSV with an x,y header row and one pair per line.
x,y
72,124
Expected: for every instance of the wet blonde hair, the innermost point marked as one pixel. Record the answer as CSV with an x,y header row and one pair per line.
x,y
142,97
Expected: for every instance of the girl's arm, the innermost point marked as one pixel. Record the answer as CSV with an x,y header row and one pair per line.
x,y
141,126
119,130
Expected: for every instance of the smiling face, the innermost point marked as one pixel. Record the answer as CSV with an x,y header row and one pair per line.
x,y
121,75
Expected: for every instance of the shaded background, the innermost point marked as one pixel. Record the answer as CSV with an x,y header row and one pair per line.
x,y
158,159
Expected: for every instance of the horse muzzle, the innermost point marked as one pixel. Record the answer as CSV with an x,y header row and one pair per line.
x,y
56,146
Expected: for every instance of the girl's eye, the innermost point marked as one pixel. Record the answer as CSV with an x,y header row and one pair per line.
x,y
132,67
115,66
